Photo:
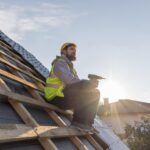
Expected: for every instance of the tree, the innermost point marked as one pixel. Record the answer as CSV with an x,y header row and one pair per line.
x,y
138,135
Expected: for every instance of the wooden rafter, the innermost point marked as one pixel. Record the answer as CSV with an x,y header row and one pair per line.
x,y
20,70
20,80
42,133
24,99
20,132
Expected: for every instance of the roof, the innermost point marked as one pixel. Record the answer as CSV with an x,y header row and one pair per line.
x,y
127,106
27,121
25,54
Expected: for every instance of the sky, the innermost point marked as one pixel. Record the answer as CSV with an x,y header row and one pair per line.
x,y
112,39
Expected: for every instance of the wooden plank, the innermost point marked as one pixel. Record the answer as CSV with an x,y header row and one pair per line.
x,y
20,70
58,132
16,132
75,140
21,98
15,55
4,44
20,80
27,118
47,144
9,50
39,82
18,62
93,142
58,120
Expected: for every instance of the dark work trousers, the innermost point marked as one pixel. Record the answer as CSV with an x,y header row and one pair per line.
x,y
83,99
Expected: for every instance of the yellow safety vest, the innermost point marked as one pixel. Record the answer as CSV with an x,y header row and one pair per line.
x,y
54,86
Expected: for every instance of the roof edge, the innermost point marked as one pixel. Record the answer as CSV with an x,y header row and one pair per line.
x,y
30,58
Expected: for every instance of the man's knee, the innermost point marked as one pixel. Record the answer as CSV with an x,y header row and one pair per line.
x,y
94,95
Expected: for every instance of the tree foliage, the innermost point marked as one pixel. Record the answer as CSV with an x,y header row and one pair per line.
x,y
138,135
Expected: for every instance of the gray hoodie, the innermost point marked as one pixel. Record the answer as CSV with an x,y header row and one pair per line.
x,y
62,71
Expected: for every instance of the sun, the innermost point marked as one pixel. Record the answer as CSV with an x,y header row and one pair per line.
x,y
112,90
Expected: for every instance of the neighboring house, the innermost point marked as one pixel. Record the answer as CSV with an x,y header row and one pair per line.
x,y
27,121
122,112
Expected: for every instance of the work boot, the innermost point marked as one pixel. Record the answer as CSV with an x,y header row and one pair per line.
x,y
81,125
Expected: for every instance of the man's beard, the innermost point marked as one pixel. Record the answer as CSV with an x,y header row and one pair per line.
x,y
71,58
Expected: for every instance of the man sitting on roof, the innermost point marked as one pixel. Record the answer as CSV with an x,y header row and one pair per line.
x,y
65,90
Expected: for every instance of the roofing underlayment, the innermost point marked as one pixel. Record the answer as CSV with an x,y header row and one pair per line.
x,y
27,121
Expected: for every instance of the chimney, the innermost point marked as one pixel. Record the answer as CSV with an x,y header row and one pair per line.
x,y
106,102
106,106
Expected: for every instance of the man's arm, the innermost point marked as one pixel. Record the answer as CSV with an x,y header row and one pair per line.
x,y
62,71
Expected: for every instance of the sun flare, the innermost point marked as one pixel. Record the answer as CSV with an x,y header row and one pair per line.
x,y
112,90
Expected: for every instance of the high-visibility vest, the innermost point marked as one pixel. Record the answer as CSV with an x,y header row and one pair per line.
x,y
54,86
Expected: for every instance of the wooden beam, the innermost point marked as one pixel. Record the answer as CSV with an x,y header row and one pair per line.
x,y
28,119
75,140
4,44
20,70
58,132
17,61
20,80
9,50
16,132
24,99
94,143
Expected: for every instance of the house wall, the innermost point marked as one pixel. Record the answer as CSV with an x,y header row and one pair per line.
x,y
118,122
